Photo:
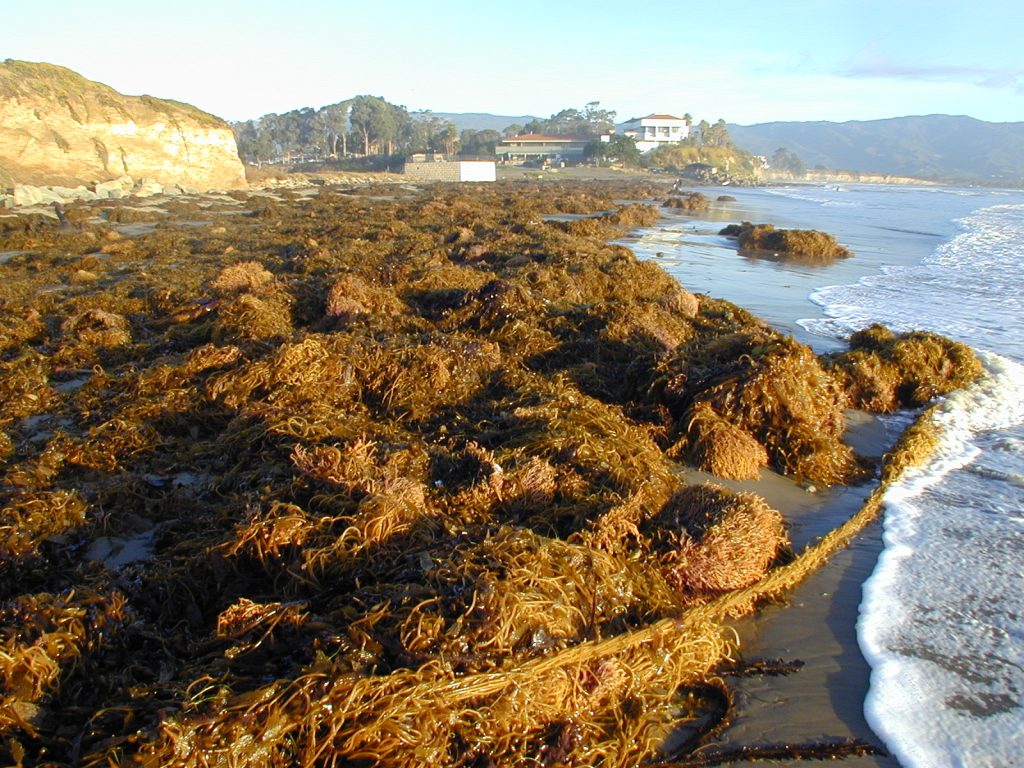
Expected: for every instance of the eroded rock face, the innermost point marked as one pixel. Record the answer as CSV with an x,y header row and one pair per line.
x,y
57,128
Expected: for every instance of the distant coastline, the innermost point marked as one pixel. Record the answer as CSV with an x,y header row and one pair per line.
x,y
860,178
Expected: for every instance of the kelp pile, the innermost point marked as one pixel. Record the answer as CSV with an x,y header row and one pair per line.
x,y
687,201
333,480
884,371
808,246
740,390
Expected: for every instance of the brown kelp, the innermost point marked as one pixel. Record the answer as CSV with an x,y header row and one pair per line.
x,y
383,479
739,373
688,201
722,448
884,371
808,246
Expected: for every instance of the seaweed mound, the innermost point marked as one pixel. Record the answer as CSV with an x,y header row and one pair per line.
x,y
739,381
712,540
884,371
722,448
806,245
687,201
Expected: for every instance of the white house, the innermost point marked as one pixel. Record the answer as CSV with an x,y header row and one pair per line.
x,y
655,130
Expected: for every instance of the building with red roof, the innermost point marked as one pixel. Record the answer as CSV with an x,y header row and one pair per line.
x,y
649,132
537,146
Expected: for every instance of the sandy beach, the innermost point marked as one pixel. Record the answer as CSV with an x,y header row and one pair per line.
x,y
823,701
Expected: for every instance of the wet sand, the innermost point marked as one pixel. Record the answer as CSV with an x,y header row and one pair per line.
x,y
824,700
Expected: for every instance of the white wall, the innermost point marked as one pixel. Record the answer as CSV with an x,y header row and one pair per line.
x,y
450,170
477,170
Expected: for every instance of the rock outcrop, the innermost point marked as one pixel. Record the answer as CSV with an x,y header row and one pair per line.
x,y
58,128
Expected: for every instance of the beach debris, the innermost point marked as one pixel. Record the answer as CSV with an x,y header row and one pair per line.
x,y
808,246
765,667
768,387
721,448
884,371
710,539
687,201
352,295
97,327
29,518
815,750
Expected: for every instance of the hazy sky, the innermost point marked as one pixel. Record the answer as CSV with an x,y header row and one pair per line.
x,y
745,61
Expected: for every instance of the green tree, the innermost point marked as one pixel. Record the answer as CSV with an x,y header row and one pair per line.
x,y
377,123
247,139
716,135
589,121
537,125
599,120
447,139
618,148
420,131
478,143
362,117
701,133
426,132
332,123
284,132
788,162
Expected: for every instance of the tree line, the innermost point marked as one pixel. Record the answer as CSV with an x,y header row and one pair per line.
x,y
361,126
370,126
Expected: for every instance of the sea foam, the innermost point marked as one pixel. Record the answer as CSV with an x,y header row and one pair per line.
x,y
942,618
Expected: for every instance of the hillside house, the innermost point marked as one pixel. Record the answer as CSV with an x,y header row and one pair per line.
x,y
654,130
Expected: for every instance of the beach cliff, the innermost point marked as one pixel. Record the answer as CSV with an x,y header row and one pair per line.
x,y
58,128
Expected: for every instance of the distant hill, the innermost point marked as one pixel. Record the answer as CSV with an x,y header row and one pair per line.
x,y
482,121
940,147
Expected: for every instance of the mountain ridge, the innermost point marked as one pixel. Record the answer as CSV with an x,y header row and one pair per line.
x,y
483,121
934,147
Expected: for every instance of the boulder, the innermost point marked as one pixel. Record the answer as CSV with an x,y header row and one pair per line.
x,y
147,188
119,187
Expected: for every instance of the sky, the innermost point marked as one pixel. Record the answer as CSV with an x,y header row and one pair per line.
x,y
746,61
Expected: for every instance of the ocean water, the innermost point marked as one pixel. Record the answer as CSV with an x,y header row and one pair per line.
x,y
942,616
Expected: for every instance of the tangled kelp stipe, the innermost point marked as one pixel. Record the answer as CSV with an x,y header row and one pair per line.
x,y
384,479
807,246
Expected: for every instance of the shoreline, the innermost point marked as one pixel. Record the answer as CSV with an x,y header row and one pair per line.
x,y
478,424
815,624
